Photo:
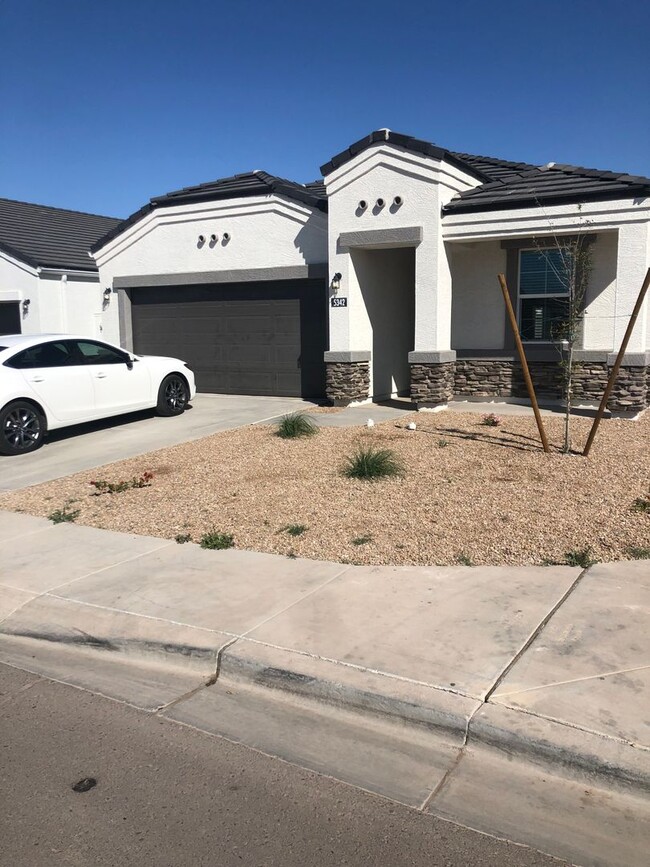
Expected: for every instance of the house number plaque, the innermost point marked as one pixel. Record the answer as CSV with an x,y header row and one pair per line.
x,y
339,302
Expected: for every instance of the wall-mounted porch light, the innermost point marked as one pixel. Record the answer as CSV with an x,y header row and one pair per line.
x,y
336,282
106,296
26,304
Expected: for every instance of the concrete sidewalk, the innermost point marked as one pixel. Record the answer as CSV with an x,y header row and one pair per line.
x,y
512,700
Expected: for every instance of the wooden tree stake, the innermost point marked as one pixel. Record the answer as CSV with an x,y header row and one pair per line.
x,y
524,363
617,365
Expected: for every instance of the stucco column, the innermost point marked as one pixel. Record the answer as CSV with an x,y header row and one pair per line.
x,y
632,262
432,360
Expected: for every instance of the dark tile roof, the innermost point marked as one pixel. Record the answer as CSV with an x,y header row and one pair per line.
x,y
553,184
415,145
257,183
50,237
509,184
504,184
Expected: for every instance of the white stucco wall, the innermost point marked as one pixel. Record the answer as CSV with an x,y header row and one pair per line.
x,y
17,283
478,313
385,321
600,300
424,184
623,229
56,305
265,232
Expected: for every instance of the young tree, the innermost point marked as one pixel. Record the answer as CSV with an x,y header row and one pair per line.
x,y
570,260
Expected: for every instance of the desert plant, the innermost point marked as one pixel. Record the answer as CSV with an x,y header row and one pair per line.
x,y
443,443
641,504
639,553
104,487
372,463
362,540
490,419
464,559
581,557
295,529
64,515
217,541
296,424
182,538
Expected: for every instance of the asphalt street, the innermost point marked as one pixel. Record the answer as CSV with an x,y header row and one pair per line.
x,y
168,795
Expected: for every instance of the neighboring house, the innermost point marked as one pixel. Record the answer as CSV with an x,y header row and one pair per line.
x,y
48,282
383,279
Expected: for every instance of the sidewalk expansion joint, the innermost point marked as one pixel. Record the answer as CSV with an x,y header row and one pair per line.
x,y
454,765
533,636
210,681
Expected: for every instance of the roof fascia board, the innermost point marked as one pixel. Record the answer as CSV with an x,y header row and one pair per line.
x,y
14,259
474,206
77,274
594,216
403,143
16,254
400,161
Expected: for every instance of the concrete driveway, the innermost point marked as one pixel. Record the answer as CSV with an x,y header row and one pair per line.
x,y
85,446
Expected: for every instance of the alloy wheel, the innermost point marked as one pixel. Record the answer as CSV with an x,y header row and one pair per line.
x,y
175,393
22,428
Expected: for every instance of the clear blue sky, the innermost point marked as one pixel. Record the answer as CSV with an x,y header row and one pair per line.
x,y
106,103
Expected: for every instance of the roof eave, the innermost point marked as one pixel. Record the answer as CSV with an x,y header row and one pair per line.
x,y
466,206
379,137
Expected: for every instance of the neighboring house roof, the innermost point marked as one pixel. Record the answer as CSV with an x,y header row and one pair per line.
x,y
257,183
40,235
509,184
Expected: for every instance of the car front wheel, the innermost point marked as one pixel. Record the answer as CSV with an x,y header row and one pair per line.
x,y
22,428
173,395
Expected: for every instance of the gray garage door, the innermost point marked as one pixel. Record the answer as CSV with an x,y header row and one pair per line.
x,y
243,338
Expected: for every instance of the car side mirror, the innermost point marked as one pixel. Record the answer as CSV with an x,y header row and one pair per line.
x,y
129,362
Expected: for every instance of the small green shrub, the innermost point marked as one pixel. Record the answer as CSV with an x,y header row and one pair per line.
x,y
296,424
581,558
217,541
182,538
362,540
490,419
641,504
639,553
464,559
295,529
442,444
64,515
103,487
372,463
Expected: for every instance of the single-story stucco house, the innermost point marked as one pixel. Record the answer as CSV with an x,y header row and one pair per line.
x,y
48,283
381,279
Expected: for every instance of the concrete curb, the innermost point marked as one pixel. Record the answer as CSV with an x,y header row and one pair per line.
x,y
349,687
118,651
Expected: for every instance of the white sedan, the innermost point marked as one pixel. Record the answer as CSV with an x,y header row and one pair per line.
x,y
49,381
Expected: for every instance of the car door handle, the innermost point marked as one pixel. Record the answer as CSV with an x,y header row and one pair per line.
x,y
37,379
100,375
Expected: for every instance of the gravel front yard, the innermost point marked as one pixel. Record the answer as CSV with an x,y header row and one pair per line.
x,y
471,493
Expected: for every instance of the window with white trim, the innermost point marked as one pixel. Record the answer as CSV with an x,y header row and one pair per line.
x,y
543,293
